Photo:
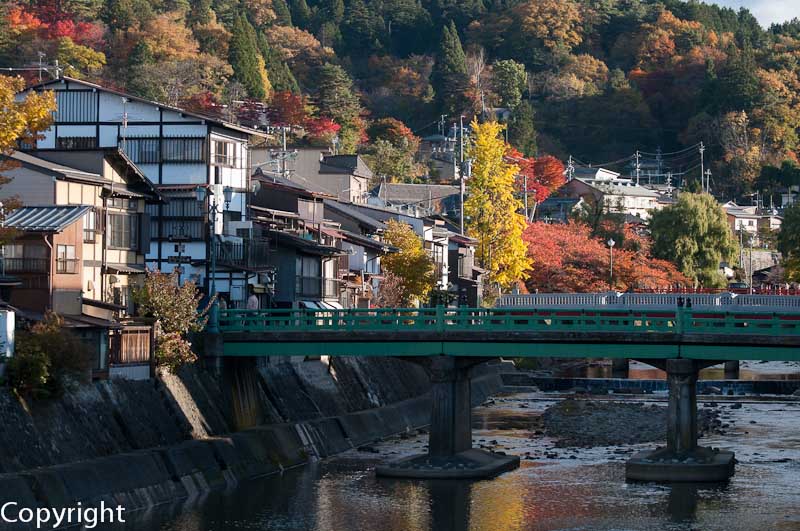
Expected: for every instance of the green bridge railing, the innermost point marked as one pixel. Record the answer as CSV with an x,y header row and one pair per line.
x,y
440,319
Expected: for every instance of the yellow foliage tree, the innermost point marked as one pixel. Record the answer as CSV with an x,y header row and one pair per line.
x,y
492,210
411,268
20,120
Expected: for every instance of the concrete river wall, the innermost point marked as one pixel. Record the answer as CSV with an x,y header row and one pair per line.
x,y
138,444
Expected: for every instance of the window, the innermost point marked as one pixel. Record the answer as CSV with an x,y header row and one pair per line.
x,y
122,202
184,149
25,258
76,142
124,231
76,106
141,150
89,226
182,218
224,153
65,259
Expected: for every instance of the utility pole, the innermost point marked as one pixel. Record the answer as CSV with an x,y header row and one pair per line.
x,y
525,191
702,167
461,184
659,161
708,181
41,66
669,183
638,166
283,155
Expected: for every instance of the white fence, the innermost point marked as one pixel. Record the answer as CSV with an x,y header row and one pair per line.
x,y
659,300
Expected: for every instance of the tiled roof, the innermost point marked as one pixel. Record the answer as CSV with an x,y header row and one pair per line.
x,y
45,218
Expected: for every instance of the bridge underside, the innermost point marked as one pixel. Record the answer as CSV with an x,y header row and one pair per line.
x,y
745,348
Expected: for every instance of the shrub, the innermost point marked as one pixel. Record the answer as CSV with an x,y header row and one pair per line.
x,y
48,357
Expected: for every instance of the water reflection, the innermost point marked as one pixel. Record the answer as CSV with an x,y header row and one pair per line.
x,y
450,505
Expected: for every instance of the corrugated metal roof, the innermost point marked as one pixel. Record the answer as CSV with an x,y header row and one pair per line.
x,y
45,218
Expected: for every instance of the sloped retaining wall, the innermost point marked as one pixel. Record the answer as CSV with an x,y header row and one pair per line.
x,y
152,476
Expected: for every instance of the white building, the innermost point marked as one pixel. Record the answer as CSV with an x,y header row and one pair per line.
x,y
178,151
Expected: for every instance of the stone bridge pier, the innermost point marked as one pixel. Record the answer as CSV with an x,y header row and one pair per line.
x,y
450,453
682,459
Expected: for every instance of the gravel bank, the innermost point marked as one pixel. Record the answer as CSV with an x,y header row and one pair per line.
x,y
587,423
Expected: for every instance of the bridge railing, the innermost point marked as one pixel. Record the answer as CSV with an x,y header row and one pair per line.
x,y
635,300
599,319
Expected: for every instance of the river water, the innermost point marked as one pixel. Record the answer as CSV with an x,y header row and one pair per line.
x,y
554,489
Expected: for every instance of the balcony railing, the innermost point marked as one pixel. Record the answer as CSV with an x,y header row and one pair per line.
x,y
26,265
250,255
317,287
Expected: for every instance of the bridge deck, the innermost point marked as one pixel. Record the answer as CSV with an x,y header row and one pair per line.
x,y
515,332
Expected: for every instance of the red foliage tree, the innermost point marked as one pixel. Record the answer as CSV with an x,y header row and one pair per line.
x,y
321,130
287,109
543,175
567,259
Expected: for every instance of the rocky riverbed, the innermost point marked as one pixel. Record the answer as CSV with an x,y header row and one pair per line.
x,y
587,423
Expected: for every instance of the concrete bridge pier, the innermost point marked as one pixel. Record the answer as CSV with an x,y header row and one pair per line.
x,y
732,370
682,459
620,367
450,453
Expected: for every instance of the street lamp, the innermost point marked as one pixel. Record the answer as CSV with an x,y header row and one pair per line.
x,y
611,243
201,193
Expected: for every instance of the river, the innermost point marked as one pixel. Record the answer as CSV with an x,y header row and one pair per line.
x,y
554,489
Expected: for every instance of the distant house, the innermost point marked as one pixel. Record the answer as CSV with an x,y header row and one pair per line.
x,y
345,177
742,218
612,193
558,209
418,200
80,250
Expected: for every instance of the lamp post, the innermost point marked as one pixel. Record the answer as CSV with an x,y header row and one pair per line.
x,y
611,243
201,194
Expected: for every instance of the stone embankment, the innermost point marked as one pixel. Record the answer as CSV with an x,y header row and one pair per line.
x,y
139,444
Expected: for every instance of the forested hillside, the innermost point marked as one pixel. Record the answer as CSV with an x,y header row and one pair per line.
x,y
597,79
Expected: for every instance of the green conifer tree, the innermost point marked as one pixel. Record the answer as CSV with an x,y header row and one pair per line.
x,y
283,16
449,76
301,14
335,98
521,129
280,75
248,64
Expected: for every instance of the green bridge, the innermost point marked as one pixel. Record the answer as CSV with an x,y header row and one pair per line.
x,y
659,333
448,342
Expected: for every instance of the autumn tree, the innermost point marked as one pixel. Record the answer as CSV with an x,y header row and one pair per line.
x,y
392,150
449,77
492,210
175,309
694,234
537,177
21,121
411,266
568,258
